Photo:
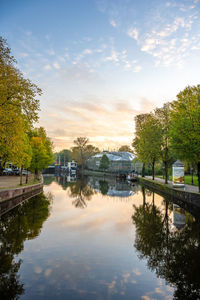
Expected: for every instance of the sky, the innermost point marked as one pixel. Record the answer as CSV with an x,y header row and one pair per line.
x,y
100,63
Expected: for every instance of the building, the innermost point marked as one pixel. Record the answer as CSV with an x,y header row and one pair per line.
x,y
120,162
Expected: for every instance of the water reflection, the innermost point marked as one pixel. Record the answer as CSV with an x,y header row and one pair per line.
x,y
82,192
171,246
21,224
112,187
89,254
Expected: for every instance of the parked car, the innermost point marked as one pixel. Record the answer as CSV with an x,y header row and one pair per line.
x,y
25,172
8,171
16,171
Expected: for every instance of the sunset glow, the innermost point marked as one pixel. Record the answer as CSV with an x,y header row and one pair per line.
x,y
100,63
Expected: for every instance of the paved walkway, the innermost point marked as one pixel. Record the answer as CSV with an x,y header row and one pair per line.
x,y
187,188
12,181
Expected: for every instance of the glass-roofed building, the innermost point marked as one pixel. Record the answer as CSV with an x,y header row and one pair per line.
x,y
120,162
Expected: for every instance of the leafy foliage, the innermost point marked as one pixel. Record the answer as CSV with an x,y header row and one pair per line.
x,y
104,162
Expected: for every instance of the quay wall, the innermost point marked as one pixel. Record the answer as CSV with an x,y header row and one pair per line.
x,y
7,194
178,193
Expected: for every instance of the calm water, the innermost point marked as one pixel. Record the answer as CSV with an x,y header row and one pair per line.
x,y
99,239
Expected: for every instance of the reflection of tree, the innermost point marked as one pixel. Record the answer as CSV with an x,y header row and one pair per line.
x,y
62,180
48,179
104,187
22,223
173,254
81,192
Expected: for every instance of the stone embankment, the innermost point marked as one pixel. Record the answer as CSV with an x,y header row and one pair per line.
x,y
11,197
188,194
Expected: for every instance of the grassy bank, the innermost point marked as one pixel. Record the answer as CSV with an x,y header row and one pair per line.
x,y
188,179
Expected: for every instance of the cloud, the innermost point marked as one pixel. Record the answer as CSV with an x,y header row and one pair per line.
x,y
47,67
56,65
113,23
87,51
137,69
133,33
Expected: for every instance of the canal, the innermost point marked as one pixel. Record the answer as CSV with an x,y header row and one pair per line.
x,y
99,239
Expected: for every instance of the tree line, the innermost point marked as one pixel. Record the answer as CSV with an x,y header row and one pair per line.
x,y
170,132
81,151
20,143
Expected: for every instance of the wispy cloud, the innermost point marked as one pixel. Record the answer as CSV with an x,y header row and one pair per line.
x,y
133,33
113,23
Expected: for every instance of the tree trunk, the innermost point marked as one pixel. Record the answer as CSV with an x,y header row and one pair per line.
x,y
198,172
21,175
36,174
27,177
153,167
192,171
166,172
143,170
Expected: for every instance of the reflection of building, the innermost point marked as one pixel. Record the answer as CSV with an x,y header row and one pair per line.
x,y
118,161
72,167
114,188
178,216
71,178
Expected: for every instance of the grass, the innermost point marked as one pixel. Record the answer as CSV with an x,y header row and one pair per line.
x,y
30,182
188,179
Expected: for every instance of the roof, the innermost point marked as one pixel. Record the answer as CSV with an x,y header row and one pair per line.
x,y
116,156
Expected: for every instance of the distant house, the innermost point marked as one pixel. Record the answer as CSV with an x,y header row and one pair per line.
x,y
120,162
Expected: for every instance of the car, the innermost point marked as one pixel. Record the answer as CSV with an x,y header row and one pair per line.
x,y
8,171
16,171
25,172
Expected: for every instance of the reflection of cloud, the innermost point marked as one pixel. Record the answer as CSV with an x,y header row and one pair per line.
x,y
47,272
38,270
112,284
147,298
137,272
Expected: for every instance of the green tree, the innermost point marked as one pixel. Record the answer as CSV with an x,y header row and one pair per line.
x,y
185,126
163,117
18,105
104,162
138,150
42,154
147,143
125,148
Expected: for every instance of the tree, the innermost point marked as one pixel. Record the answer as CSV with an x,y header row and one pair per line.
x,y
79,149
185,126
63,156
18,106
42,154
139,120
163,117
125,148
147,143
83,150
104,162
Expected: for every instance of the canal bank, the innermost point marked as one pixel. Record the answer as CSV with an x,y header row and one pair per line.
x,y
87,172
189,194
11,197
